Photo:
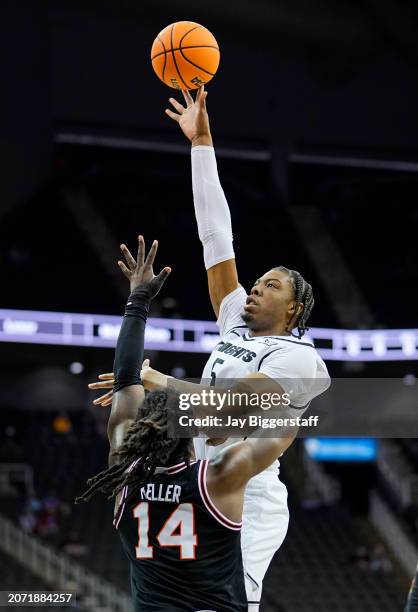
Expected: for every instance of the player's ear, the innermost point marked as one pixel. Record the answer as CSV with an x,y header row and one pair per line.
x,y
296,309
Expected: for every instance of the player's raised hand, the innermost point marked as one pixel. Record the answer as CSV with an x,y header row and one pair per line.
x,y
140,271
192,117
106,381
151,379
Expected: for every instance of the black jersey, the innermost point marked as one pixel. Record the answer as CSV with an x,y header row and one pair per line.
x,y
184,554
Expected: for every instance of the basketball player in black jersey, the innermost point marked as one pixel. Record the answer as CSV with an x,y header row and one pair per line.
x,y
178,519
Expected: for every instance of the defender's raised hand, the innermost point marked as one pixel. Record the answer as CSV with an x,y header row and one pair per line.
x,y
151,379
106,381
140,272
192,118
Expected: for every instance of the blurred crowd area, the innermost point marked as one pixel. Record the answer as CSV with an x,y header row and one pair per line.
x,y
99,198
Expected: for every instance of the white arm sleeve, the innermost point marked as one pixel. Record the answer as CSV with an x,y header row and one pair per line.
x,y
211,208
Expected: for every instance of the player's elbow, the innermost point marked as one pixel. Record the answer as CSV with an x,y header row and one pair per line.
x,y
231,466
284,443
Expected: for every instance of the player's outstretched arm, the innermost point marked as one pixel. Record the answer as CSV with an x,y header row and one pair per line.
x,y
211,208
128,392
231,469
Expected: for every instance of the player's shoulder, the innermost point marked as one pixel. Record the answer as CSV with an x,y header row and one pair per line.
x,y
291,357
279,348
290,343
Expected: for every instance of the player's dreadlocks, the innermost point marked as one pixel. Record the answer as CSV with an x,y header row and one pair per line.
x,y
146,439
303,295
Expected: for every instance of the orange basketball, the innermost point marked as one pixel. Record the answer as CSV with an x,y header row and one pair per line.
x,y
185,55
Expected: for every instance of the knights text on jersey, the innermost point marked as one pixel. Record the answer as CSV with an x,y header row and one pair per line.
x,y
184,554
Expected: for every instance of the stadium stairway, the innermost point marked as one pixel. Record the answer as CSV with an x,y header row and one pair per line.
x,y
15,577
63,464
313,571
398,481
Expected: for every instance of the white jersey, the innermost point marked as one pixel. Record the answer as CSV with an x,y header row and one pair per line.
x,y
237,354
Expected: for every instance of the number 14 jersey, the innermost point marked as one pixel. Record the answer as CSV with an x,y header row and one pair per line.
x,y
184,554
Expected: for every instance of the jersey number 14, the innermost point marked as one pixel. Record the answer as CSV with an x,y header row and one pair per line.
x,y
178,530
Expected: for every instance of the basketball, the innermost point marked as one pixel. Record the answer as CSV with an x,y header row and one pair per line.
x,y
185,55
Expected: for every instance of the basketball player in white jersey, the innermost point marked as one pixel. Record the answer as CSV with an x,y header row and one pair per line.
x,y
257,341
256,337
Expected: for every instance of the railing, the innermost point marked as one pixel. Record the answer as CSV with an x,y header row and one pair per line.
x,y
392,533
396,472
328,487
59,572
11,473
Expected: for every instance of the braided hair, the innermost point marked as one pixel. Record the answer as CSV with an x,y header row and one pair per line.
x,y
147,439
303,295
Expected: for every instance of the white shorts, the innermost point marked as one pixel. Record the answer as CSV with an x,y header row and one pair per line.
x,y
264,526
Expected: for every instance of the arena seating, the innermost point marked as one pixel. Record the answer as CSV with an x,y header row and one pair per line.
x,y
314,566
358,208
62,464
263,233
121,186
408,449
14,576
57,240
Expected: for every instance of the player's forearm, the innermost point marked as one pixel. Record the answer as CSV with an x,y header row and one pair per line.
x,y
124,411
241,461
211,207
234,404
129,355
185,388
205,400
